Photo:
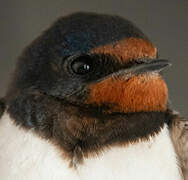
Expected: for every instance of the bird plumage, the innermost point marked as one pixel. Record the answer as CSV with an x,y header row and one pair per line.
x,y
179,134
26,156
87,88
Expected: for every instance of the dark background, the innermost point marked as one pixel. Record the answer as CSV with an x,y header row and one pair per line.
x,y
164,21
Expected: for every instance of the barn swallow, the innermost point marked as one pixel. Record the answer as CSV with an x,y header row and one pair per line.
x,y
87,101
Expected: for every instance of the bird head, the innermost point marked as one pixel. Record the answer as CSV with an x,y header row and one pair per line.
x,y
96,61
89,81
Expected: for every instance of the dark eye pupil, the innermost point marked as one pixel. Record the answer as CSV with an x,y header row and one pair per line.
x,y
81,66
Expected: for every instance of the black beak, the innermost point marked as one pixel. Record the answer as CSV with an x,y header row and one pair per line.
x,y
141,67
146,66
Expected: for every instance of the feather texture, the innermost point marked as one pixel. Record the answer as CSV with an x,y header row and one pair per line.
x,y
179,135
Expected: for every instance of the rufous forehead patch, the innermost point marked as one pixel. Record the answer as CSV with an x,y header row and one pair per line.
x,y
128,49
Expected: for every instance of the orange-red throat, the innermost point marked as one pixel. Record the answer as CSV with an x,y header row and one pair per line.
x,y
138,90
146,92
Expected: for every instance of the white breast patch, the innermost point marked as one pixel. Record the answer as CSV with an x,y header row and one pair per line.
x,y
25,156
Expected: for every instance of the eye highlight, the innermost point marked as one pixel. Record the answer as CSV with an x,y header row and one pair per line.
x,y
82,65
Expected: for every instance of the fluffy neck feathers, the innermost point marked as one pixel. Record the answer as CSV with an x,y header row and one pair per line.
x,y
79,131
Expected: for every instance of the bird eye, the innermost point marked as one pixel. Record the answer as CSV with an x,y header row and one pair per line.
x,y
82,65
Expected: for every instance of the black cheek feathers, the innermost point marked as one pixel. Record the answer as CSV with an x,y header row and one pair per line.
x,y
30,111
